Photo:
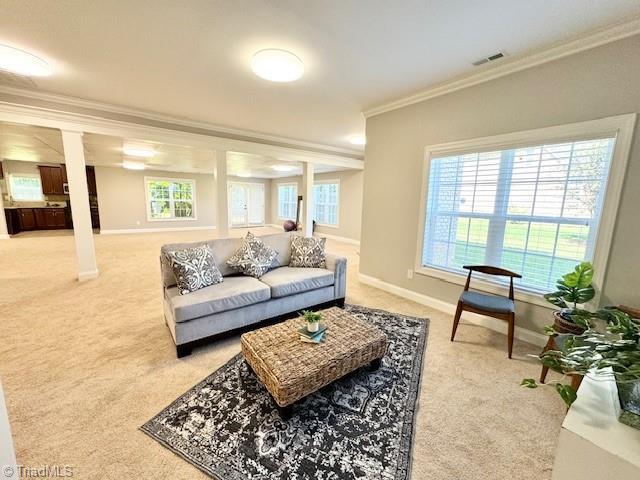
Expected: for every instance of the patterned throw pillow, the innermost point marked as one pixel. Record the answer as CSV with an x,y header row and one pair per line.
x,y
254,258
307,252
194,268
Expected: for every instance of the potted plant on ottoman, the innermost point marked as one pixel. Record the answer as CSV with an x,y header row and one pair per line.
x,y
573,289
313,320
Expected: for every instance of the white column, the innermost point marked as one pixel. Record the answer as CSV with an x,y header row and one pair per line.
x,y
4,233
79,195
307,199
222,198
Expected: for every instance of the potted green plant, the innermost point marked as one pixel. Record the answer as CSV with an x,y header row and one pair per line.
x,y
614,351
573,289
313,320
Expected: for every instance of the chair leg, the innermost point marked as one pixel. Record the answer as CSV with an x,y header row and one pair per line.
x,y
512,321
576,380
549,346
456,320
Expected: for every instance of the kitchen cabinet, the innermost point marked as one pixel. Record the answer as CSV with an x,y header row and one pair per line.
x,y
53,179
91,181
27,218
55,218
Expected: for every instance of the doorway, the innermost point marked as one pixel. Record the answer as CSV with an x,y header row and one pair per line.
x,y
246,204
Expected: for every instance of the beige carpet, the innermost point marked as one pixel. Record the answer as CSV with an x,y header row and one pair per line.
x,y
84,365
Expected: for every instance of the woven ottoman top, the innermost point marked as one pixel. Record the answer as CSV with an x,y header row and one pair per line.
x,y
291,368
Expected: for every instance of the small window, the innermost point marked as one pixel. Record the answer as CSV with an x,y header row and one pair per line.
x,y
26,187
287,201
326,200
170,199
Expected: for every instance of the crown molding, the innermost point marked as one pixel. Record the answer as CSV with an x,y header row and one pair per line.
x,y
176,123
515,64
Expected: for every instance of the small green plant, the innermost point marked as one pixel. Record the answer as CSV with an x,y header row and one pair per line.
x,y
311,317
573,289
587,354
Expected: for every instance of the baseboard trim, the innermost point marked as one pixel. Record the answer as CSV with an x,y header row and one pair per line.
x,y
90,275
154,230
338,238
4,236
494,324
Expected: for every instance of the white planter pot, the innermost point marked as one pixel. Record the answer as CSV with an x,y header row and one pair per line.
x,y
313,327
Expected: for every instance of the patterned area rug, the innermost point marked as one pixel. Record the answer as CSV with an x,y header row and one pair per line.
x,y
359,427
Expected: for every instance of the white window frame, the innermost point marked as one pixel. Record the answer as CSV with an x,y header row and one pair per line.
x,y
170,179
620,126
285,184
337,182
29,175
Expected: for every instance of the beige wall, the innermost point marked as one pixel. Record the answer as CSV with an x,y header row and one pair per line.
x,y
597,83
122,203
121,198
350,213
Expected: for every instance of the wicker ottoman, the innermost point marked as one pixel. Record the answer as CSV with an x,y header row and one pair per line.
x,y
292,369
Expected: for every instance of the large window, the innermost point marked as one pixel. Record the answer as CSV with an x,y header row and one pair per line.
x,y
532,209
25,187
326,201
287,201
170,199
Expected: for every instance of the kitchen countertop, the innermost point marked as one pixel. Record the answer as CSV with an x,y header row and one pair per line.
x,y
17,208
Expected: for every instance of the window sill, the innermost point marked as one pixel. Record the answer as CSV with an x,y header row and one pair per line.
x,y
478,283
326,225
171,219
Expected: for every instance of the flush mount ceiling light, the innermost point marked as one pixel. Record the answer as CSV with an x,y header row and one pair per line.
x,y
357,140
277,65
283,168
20,62
133,165
135,151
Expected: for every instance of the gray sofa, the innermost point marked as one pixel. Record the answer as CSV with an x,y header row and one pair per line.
x,y
240,301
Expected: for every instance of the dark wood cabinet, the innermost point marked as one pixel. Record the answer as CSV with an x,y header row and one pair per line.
x,y
56,218
53,179
27,218
41,218
91,181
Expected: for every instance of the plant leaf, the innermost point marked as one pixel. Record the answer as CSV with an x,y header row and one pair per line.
x,y
528,383
567,393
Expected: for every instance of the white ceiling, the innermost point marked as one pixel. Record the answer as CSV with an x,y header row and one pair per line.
x,y
44,145
191,59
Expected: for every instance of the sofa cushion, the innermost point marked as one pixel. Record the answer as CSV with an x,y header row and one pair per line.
x,y
307,252
286,281
194,268
254,258
234,292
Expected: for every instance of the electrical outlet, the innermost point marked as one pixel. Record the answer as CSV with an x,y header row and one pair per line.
x,y
410,274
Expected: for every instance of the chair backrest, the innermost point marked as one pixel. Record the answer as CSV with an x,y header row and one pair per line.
x,y
490,270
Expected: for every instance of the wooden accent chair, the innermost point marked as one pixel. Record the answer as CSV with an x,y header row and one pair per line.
x,y
485,304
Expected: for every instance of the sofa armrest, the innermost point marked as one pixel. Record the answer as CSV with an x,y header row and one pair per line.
x,y
338,265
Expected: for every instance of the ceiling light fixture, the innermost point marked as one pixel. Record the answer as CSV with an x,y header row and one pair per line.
x,y
357,140
133,165
277,65
283,168
142,152
24,63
